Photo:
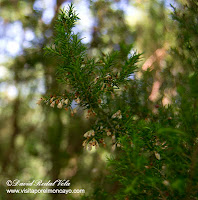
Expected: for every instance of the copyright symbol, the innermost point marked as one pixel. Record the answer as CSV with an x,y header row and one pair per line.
x,y
9,183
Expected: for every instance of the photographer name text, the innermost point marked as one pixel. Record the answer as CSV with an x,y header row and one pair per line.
x,y
58,182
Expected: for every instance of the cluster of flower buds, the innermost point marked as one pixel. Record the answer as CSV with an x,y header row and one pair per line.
x,y
89,133
90,144
60,103
106,83
90,113
108,131
117,115
108,78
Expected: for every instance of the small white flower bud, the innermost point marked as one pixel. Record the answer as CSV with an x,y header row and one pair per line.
x,y
86,134
157,155
60,105
66,101
118,145
165,182
117,115
84,143
108,133
77,100
114,147
52,104
51,99
89,133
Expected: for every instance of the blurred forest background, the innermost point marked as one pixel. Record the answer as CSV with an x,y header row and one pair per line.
x,y
44,143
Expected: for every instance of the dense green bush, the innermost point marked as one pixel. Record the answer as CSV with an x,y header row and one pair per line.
x,y
156,154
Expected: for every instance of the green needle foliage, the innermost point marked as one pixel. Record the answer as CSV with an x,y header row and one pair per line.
x,y
156,156
93,82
